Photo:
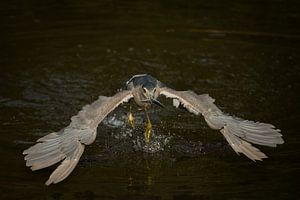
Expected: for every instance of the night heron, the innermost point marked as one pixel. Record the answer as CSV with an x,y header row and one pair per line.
x,y
67,145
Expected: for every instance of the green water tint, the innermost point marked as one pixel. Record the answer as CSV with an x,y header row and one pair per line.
x,y
59,56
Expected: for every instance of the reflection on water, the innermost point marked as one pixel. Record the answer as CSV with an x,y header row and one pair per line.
x,y
58,56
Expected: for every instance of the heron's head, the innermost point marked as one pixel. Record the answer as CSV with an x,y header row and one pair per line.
x,y
149,94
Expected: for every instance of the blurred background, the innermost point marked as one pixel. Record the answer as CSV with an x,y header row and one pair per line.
x,y
57,56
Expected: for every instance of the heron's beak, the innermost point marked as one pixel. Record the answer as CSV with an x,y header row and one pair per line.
x,y
156,102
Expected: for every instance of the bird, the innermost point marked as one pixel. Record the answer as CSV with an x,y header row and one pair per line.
x,y
67,145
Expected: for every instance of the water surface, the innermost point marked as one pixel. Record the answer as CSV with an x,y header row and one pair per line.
x,y
57,56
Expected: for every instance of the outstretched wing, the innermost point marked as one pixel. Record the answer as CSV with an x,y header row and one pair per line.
x,y
238,132
68,144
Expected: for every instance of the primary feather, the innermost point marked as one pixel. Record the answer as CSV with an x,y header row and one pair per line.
x,y
68,144
237,132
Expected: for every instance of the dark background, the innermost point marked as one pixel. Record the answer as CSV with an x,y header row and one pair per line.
x,y
57,56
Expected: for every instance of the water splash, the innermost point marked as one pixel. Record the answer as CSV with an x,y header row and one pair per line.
x,y
157,143
114,121
135,137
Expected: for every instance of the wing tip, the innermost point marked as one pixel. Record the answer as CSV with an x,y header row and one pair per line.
x,y
48,182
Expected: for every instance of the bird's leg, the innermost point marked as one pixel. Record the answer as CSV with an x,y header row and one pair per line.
x,y
130,118
148,127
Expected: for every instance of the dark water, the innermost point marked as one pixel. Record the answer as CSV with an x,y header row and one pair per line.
x,y
57,56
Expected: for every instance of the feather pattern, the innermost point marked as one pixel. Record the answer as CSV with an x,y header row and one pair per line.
x,y
238,132
67,145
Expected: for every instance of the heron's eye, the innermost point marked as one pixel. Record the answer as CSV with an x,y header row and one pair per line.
x,y
144,89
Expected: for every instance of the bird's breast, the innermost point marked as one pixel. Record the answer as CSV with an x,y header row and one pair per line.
x,y
139,102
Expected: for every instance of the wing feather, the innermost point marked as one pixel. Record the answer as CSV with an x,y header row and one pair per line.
x,y
237,132
67,145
